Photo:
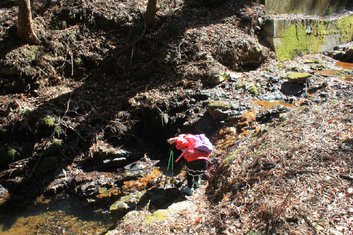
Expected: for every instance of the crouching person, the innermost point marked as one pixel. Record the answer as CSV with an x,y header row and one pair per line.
x,y
196,150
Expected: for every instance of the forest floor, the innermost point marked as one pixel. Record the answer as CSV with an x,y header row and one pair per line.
x,y
104,91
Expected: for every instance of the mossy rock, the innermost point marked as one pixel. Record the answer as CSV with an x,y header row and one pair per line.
x,y
49,122
298,77
127,202
248,87
220,104
295,37
252,88
157,216
49,126
218,78
31,53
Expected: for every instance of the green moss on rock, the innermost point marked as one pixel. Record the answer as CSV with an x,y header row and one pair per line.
x,y
252,88
49,126
126,202
322,7
290,38
220,104
49,122
31,53
157,216
298,77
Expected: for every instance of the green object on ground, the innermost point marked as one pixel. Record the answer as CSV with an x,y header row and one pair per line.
x,y
170,167
298,77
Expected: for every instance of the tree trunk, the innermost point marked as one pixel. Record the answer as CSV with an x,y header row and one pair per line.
x,y
150,11
24,24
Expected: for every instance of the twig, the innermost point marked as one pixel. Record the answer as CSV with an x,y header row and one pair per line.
x,y
72,63
67,107
73,129
346,177
280,210
134,42
300,172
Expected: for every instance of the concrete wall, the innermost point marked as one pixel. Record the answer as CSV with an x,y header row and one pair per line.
x,y
311,7
289,38
292,36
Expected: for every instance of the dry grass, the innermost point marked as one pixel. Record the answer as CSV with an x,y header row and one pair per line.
x,y
295,178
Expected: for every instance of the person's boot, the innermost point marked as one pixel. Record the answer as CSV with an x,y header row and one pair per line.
x,y
197,182
188,191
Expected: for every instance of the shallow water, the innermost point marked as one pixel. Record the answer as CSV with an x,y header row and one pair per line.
x,y
65,215
345,65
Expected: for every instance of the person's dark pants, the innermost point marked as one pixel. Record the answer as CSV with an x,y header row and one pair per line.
x,y
195,170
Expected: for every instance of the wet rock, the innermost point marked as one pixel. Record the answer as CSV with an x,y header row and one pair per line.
x,y
316,100
139,168
342,52
106,156
347,145
219,109
272,96
324,95
88,189
61,183
4,194
95,187
268,115
159,215
58,185
203,95
299,78
127,202
217,75
292,89
205,124
249,87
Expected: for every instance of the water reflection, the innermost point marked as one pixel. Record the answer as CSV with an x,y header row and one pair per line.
x,y
63,215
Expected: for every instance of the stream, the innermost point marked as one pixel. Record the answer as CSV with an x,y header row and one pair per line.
x,y
61,215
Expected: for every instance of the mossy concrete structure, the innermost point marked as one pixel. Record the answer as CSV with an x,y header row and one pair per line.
x,y
312,7
291,34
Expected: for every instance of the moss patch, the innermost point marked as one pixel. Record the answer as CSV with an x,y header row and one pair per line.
x,y
298,77
157,216
220,104
291,38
